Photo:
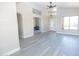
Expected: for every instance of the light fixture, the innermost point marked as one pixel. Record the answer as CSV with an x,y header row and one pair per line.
x,y
51,5
51,9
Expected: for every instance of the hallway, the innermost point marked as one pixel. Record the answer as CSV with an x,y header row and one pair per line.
x,y
49,44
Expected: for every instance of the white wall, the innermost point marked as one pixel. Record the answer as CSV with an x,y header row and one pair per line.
x,y
66,11
25,9
8,28
45,20
53,22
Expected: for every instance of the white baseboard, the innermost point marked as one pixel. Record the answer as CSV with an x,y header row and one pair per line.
x,y
68,33
27,36
11,52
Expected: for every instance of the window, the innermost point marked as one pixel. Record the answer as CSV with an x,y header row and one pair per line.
x,y
66,22
71,23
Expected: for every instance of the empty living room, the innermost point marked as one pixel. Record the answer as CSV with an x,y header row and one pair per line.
x,y
39,28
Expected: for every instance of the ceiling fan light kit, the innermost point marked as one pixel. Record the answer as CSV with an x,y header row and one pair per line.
x,y
51,8
52,5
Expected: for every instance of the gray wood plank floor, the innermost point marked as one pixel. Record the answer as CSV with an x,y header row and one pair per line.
x,y
49,44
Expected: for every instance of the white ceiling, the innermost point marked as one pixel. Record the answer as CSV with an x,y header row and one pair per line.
x,y
68,4
59,4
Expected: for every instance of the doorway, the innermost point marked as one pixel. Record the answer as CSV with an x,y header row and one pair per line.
x,y
37,28
20,30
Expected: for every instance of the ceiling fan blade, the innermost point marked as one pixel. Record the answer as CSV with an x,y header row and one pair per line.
x,y
51,6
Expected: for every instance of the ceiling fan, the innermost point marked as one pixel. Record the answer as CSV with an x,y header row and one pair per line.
x,y
52,5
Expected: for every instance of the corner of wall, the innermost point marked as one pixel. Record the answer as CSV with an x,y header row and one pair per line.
x,y
27,36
